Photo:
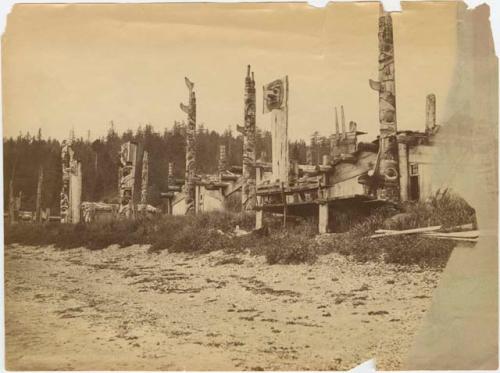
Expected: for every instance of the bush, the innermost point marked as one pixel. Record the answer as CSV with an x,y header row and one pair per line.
x,y
289,248
443,208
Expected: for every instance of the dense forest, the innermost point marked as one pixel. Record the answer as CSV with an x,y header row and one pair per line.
x,y
24,155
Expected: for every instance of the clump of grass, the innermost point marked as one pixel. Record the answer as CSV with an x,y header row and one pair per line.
x,y
175,233
444,208
286,248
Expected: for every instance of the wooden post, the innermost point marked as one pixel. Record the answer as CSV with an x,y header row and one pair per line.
x,y
323,218
76,192
285,208
259,217
38,214
403,171
189,186
12,199
386,87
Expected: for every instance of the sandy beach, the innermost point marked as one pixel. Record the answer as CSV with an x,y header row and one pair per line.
x,y
125,309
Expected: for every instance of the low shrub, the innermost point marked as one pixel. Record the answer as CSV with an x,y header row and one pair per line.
x,y
290,249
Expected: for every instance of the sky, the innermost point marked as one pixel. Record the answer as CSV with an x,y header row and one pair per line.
x,y
82,66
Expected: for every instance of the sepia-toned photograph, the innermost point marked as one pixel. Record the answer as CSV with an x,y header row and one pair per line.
x,y
250,187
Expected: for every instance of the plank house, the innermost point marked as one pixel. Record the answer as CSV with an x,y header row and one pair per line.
x,y
394,168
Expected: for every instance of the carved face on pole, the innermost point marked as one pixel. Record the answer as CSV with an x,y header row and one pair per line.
x,y
273,95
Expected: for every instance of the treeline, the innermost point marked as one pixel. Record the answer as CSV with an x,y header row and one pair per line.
x,y
24,155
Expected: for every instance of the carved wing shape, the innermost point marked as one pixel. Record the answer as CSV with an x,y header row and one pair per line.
x,y
240,129
375,85
184,108
189,84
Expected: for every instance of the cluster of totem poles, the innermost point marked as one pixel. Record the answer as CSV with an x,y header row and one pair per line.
x,y
384,179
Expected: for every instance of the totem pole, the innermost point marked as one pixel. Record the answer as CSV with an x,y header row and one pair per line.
x,y
128,160
65,161
170,175
430,112
248,187
335,139
71,193
189,186
222,165
387,174
145,176
276,103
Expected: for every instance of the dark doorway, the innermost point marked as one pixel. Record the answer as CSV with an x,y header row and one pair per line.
x,y
414,188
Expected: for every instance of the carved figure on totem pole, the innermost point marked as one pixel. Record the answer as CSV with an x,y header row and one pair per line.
x,y
387,175
248,187
189,186
127,179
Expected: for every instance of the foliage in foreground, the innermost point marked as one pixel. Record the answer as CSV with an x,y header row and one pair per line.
x,y
295,244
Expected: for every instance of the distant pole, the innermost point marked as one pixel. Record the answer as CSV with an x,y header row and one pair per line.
x,y
65,190
430,112
189,186
222,165
145,176
12,200
39,195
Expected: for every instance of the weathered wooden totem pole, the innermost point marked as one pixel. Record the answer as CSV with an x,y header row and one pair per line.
x,y
387,184
126,173
189,185
430,112
145,179
248,131
276,103
71,193
222,164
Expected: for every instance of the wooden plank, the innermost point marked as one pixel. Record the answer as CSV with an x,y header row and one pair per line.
x,y
407,231
455,238
468,234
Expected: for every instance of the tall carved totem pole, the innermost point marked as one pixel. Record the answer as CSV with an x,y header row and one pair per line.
x,y
128,160
189,184
145,179
248,131
388,175
71,193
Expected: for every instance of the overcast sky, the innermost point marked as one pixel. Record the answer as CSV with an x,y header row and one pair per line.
x,y
82,66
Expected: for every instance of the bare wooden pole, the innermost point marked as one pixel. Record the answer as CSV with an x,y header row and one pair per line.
x,y
39,196
12,199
